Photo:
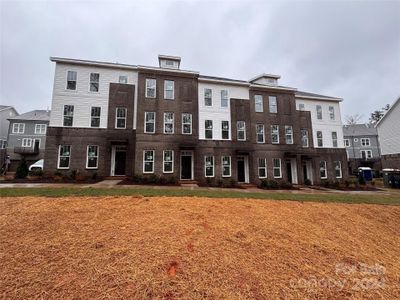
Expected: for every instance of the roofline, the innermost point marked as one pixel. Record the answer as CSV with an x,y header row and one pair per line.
x,y
272,87
139,67
390,109
92,63
171,57
231,82
7,107
265,75
320,98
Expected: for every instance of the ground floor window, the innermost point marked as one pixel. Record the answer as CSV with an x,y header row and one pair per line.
x,y
168,161
26,142
226,166
209,166
262,168
92,157
338,169
277,168
148,161
322,170
64,156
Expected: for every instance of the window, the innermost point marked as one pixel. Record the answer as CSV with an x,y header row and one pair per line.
x,y
209,166
225,130
207,97
168,123
150,88
332,112
148,161
149,122
64,155
274,134
169,89
26,142
347,143
365,142
289,134
168,161
40,128
186,123
302,106
322,170
319,139
226,166
18,128
338,169
123,79
209,129
95,116
355,140
366,154
258,103
71,80
94,82
241,130
334,139
262,168
260,133
277,168
319,112
120,120
68,115
304,138
273,107
3,144
92,157
224,98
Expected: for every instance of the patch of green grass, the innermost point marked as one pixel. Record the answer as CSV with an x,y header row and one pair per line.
x,y
376,198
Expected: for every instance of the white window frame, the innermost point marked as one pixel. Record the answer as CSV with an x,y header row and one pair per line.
x,y
95,156
289,135
166,90
123,79
225,130
171,161
59,157
76,80
92,117
224,99
187,123
304,138
334,140
260,133
332,113
322,167
26,143
153,122
320,139
118,118
3,144
94,82
274,168
273,104
229,166
319,111
338,163
68,116
260,167
207,129
212,166
364,142
17,129
169,122
148,87
239,130
347,143
302,107
207,98
148,161
258,103
368,151
274,132
39,128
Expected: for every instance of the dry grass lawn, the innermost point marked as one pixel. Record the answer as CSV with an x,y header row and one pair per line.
x,y
197,248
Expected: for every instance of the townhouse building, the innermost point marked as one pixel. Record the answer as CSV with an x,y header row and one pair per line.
x,y
116,119
6,111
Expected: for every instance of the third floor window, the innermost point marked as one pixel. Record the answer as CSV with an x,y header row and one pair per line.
x,y
150,88
94,82
71,80
169,89
207,97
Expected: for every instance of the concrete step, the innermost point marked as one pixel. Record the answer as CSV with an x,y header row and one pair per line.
x,y
188,183
247,186
115,178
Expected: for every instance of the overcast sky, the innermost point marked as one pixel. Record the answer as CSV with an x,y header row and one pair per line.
x,y
341,48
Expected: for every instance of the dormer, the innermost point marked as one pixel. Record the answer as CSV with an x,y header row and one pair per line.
x,y
169,62
266,79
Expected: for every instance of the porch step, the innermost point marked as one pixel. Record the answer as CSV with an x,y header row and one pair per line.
x,y
188,183
247,186
115,177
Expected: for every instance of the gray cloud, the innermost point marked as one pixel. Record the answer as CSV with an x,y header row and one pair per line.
x,y
345,49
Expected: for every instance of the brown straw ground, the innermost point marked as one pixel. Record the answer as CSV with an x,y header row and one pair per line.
x,y
197,248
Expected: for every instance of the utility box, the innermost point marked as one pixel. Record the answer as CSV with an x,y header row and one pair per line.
x,y
391,178
366,173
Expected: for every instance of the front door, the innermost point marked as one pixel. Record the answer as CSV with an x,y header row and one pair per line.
x,y
289,171
120,160
241,173
186,165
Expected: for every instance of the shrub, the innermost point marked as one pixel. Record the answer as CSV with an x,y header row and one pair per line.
x,y
22,169
361,180
264,184
233,182
307,182
162,180
347,183
94,175
58,174
73,174
285,185
220,182
273,184
172,180
152,179
137,178
209,181
36,173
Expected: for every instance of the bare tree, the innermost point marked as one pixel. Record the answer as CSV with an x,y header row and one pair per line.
x,y
353,119
378,114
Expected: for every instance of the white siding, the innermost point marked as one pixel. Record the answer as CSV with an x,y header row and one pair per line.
x,y
326,125
82,98
216,113
389,131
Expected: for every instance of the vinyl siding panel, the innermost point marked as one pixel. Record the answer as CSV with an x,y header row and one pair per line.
x,y
389,132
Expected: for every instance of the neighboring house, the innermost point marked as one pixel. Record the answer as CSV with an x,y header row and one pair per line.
x,y
27,136
389,137
6,112
362,147
116,119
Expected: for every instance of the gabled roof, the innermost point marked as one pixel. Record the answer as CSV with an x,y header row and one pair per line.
x,y
34,115
359,130
388,112
3,107
307,95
